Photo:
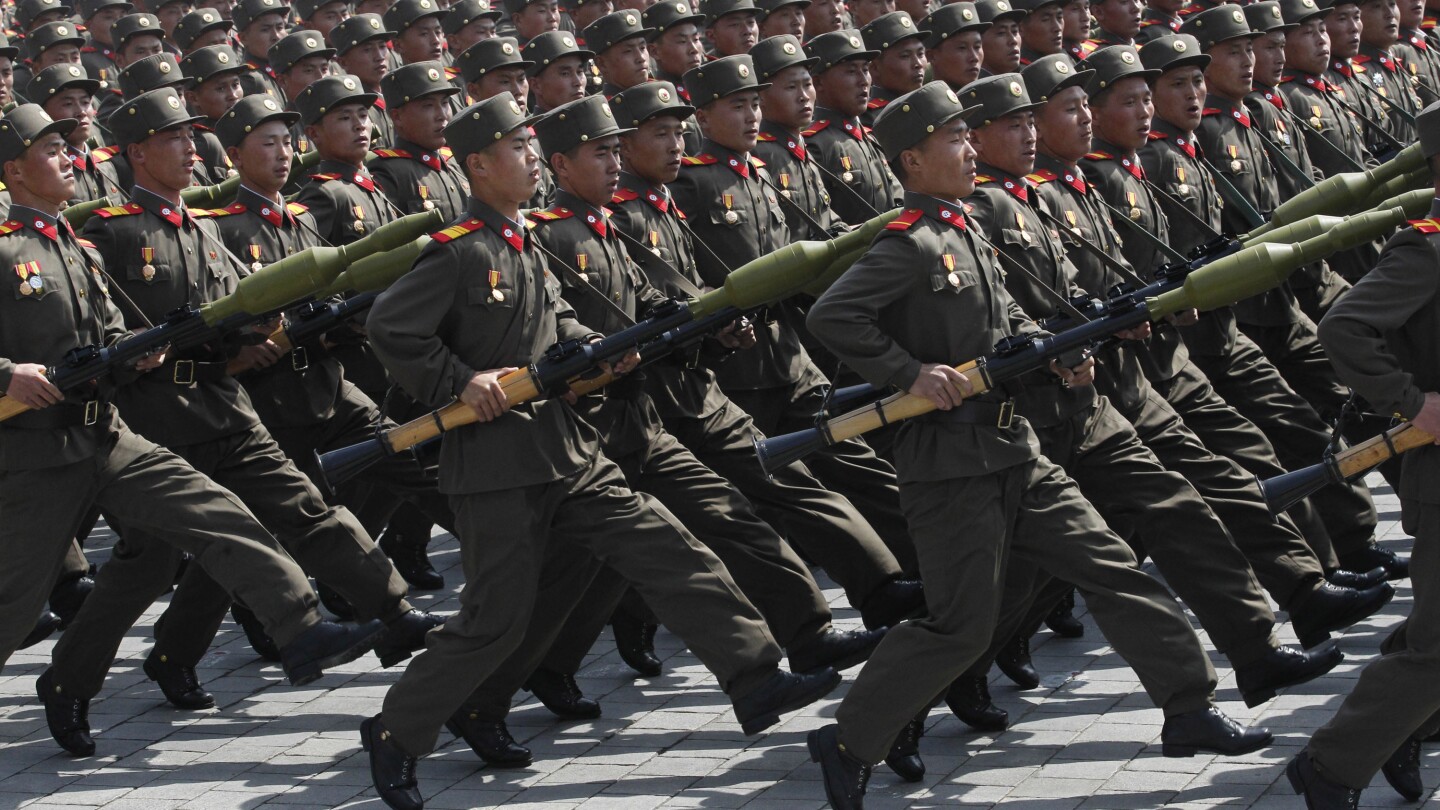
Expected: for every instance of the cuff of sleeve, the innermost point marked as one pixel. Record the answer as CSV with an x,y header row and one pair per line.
x,y
7,372
460,377
906,377
1411,402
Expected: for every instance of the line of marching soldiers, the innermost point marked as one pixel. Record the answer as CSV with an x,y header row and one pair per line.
x,y
588,169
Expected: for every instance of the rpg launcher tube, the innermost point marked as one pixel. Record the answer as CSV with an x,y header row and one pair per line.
x,y
378,271
80,213
1343,193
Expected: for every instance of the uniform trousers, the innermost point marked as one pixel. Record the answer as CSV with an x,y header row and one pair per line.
x,y
327,542
506,537
159,494
765,569
1398,694
966,531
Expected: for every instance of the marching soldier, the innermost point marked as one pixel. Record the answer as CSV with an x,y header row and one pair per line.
x,y
1042,29
1417,53
1351,81
468,22
677,49
321,16
953,49
1117,22
1078,21
79,445
926,295
787,108
732,27
776,382
899,64
201,28
98,52
621,53
362,49
215,71
341,194
50,44
529,19
1000,43
419,36
259,24
419,174
1389,77
859,181
441,330
65,92
1382,336
8,54
781,17
1161,18
299,59
495,66
557,74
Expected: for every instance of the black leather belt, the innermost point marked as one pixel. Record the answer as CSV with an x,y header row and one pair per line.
x,y
188,372
1000,414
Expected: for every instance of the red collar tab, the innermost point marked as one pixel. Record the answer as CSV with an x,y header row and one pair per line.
x,y
1343,67
1240,117
905,220
854,130
1275,99
952,217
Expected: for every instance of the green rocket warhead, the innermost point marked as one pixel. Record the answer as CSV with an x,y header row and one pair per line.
x,y
1415,203
1264,266
79,213
378,271
310,272
786,271
1344,193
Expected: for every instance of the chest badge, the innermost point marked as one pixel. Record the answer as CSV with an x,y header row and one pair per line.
x,y
147,272
30,280
582,260
495,294
950,275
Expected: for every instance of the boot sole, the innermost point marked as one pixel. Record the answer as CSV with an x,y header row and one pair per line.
x,y
755,725
311,671
207,703
1319,634
905,773
844,662
1181,750
506,764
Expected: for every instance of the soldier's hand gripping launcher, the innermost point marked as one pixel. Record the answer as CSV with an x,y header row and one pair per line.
x,y
258,297
1223,281
768,279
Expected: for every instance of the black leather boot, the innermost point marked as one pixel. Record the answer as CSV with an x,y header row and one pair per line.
x,y
1282,667
1402,770
782,692
411,558
490,740
68,717
1396,567
1320,793
47,624
893,602
561,695
405,635
392,771
840,649
845,776
969,698
260,641
1014,660
68,596
1061,620
179,683
1186,734
1328,609
635,639
904,757
327,645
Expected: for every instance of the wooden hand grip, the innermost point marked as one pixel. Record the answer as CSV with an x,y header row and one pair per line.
x,y
10,407
1373,452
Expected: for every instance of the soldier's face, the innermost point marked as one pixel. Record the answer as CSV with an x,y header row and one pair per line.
x,y
1000,46
560,82
215,95
863,11
302,74
679,49
506,172
589,12
215,36
1124,113
44,171
367,62
1231,72
224,7
342,134
263,158
327,17
901,67
784,20
1269,58
734,33
789,101
652,152
626,63
170,14
1076,14
845,87
424,41
732,121
1179,94
138,47
1121,17
46,17
536,18
1412,12
824,16
262,34
67,54
1008,143
99,25
73,102
1043,30
423,121
956,60
167,157
942,165
590,171
476,31
510,80
1343,24
7,80
1063,125
1307,48
1380,23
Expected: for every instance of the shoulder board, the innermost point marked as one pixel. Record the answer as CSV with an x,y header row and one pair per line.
x,y
876,103
699,160
551,215
1089,46
86,243
104,153
446,152
119,210
296,208
1360,59
10,227
1421,225
624,195
456,231
451,72
324,177
1041,177
1155,135
757,162
235,208
200,213
1100,155
816,127
89,49
766,137
1210,111
982,179
1356,66
969,209
905,220
391,153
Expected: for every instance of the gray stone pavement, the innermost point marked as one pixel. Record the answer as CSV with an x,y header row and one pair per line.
x,y
1087,738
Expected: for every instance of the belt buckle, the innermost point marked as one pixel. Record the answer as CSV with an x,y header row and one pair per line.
x,y
1007,414
184,372
299,359
92,412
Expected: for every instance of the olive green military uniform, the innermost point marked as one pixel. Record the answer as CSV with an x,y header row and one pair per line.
x,y
419,180
1419,58
356,30
93,179
1155,24
261,78
81,447
1383,337
98,60
775,382
164,258
973,492
881,33
153,73
659,18
528,483
1346,78
1394,90
788,160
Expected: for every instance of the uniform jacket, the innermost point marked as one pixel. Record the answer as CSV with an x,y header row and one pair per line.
x,y
419,180
856,174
